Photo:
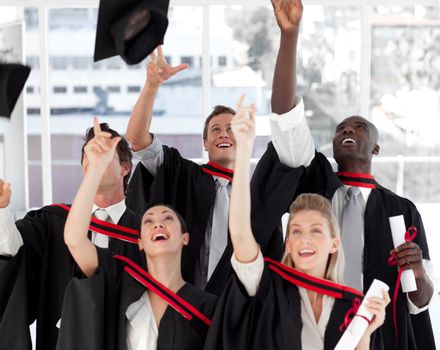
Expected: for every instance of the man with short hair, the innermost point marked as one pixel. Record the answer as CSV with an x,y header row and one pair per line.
x,y
35,264
164,176
366,232
199,193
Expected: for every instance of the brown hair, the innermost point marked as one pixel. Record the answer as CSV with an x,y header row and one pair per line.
x,y
123,149
219,109
310,201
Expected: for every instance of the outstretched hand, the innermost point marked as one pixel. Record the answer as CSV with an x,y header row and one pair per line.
x,y
100,149
159,71
288,13
243,124
5,193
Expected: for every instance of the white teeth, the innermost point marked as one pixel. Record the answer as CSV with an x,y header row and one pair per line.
x,y
222,145
348,140
306,251
159,236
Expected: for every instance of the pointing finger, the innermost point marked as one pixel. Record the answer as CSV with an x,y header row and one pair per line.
x,y
96,126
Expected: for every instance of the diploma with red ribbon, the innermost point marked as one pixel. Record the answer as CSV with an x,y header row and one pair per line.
x,y
400,236
361,318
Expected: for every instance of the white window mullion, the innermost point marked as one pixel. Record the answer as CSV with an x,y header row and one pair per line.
x,y
365,76
46,159
206,66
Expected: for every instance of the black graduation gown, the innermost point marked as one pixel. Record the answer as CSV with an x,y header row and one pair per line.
x,y
14,324
415,331
272,319
103,300
38,275
191,191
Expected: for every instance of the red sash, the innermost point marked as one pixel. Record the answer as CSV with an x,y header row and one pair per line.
x,y
176,302
217,170
106,228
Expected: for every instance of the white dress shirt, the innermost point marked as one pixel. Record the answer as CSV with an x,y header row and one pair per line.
x,y
295,147
10,237
141,327
312,333
115,213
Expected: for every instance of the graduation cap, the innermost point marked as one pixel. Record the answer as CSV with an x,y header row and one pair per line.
x,y
13,76
131,29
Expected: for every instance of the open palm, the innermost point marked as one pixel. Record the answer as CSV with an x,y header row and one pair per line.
x,y
288,13
159,71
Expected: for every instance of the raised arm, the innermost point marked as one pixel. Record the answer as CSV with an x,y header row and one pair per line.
x,y
243,126
288,14
158,71
99,153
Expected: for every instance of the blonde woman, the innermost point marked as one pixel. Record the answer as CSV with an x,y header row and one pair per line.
x,y
297,304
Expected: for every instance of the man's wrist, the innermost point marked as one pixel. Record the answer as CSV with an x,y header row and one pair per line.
x,y
152,87
95,170
291,32
245,146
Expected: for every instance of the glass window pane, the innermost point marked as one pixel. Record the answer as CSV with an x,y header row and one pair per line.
x,y
110,88
178,116
59,89
405,81
405,103
134,89
246,42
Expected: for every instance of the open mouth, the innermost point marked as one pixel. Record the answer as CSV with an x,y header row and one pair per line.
x,y
224,145
159,237
348,141
306,253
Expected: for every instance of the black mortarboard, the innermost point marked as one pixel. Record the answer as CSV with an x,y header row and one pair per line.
x,y
13,76
131,29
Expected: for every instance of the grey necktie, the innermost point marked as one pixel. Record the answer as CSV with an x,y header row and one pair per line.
x,y
219,234
352,238
99,239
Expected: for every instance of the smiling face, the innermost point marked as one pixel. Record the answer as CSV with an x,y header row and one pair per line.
x,y
220,141
310,243
354,144
161,232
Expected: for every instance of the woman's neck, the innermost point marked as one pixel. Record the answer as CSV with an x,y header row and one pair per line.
x,y
316,302
167,271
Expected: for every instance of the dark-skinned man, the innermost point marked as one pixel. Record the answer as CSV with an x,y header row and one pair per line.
x,y
362,206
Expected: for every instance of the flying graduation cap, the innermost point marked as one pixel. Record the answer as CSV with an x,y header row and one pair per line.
x,y
131,29
13,76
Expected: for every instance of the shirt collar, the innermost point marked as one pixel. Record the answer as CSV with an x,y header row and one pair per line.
x,y
365,192
114,211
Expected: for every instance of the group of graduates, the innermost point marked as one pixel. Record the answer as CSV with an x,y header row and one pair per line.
x,y
189,256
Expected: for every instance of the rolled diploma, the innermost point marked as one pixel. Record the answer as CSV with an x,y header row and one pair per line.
x,y
358,325
398,229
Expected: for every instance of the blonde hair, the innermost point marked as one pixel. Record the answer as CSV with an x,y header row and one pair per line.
x,y
310,201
